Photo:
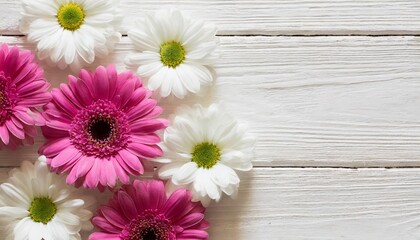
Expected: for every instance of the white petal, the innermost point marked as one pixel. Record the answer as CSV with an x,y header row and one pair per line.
x,y
157,80
185,174
13,192
13,212
211,188
237,160
70,51
168,170
70,221
223,175
36,232
143,41
40,8
57,229
74,203
23,228
231,190
99,19
43,28
84,47
149,69
202,73
58,52
187,76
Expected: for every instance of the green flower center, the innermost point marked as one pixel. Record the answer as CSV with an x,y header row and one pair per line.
x,y
42,210
206,155
172,54
71,16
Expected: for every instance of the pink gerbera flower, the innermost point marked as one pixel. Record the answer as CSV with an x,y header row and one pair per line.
x,y
100,127
142,211
23,88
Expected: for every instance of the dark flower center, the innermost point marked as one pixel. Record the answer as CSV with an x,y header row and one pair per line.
x,y
149,235
149,226
101,129
7,98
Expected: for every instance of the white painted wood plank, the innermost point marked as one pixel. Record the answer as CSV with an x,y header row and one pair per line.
x,y
323,101
321,204
272,16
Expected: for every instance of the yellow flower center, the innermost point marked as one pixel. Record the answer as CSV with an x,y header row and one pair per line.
x,y
42,210
172,54
206,155
71,16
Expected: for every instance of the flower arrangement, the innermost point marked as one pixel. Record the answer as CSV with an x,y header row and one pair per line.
x,y
103,129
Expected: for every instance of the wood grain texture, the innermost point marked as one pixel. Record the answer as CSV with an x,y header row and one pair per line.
x,y
318,204
272,17
322,101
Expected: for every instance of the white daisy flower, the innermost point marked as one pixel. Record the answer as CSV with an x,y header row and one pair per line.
x,y
37,204
202,148
71,32
175,52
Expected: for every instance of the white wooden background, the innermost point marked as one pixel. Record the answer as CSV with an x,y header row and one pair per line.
x,y
332,91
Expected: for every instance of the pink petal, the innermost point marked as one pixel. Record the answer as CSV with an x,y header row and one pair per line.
x,y
142,110
151,138
17,122
25,73
138,95
69,95
54,147
59,125
142,199
145,151
101,83
122,175
15,130
4,134
176,206
80,169
109,172
51,133
193,234
104,236
38,100
132,161
127,205
86,78
92,177
63,103
113,80
191,220
148,126
64,157
157,193
80,90
125,92
24,117
104,224
12,61
86,165
113,217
